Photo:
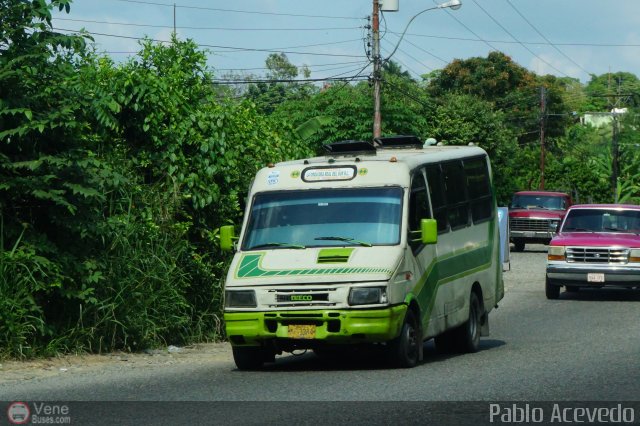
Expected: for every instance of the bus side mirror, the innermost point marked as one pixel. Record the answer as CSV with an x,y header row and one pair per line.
x,y
227,235
429,231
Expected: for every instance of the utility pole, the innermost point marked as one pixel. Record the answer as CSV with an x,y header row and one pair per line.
x,y
174,20
377,65
543,107
615,154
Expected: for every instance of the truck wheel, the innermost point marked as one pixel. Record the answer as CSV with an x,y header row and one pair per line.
x,y
248,357
404,350
552,291
469,332
518,245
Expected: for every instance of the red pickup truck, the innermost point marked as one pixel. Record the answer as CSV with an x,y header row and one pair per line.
x,y
598,245
534,216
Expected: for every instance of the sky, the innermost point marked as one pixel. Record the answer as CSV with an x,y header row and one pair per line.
x,y
566,38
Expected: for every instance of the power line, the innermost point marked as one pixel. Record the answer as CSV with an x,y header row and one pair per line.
x,y
230,48
545,38
284,80
516,39
131,24
236,10
530,43
308,66
466,27
425,51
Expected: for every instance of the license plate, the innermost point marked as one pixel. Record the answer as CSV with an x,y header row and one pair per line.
x,y
300,331
595,277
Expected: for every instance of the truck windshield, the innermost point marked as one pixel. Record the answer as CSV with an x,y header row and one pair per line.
x,y
324,217
602,220
538,202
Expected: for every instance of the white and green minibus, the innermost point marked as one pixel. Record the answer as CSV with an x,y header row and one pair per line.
x,y
388,243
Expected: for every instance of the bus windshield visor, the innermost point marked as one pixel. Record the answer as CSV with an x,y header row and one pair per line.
x,y
324,217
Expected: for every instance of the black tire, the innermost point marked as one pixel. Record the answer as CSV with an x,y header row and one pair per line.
x,y
404,351
469,332
518,245
551,290
248,357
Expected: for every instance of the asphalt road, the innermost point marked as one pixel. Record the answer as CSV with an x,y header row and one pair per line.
x,y
582,347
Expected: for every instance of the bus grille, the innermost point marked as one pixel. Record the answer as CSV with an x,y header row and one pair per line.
x,y
302,297
597,255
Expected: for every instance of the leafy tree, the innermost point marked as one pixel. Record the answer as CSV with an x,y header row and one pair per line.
x,y
51,179
610,90
269,94
464,119
510,87
391,68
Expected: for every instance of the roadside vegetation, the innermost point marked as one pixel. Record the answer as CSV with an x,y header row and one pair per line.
x,y
115,177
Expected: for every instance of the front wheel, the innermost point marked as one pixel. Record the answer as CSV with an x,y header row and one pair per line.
x,y
248,357
404,350
518,245
552,291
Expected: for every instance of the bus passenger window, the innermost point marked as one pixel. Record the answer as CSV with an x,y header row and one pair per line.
x,y
477,175
436,193
456,194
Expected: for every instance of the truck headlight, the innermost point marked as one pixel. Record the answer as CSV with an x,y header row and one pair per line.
x,y
634,255
240,299
367,295
555,253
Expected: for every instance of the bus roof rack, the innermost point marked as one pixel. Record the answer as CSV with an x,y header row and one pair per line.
x,y
399,141
350,147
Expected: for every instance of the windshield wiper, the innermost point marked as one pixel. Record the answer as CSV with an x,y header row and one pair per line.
x,y
345,239
285,245
576,230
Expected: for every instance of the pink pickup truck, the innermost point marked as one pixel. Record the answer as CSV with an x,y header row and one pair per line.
x,y
596,245
535,215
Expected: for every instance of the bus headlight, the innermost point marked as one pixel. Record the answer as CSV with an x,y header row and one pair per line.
x,y
367,295
555,253
240,299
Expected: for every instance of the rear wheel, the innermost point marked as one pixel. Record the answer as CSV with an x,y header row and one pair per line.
x,y
469,332
466,337
551,290
248,357
404,350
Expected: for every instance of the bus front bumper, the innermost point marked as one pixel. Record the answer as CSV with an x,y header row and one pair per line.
x,y
326,326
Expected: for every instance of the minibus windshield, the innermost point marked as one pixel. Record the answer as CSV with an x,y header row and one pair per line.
x,y
324,217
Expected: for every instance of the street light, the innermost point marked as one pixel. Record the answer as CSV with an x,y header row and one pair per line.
x,y
451,4
377,60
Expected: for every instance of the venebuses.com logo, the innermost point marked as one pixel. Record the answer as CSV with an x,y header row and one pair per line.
x,y
18,413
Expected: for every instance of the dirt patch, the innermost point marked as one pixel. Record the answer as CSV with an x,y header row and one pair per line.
x,y
18,371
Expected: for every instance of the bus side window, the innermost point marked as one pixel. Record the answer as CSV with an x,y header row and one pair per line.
x,y
456,194
436,194
479,187
418,210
